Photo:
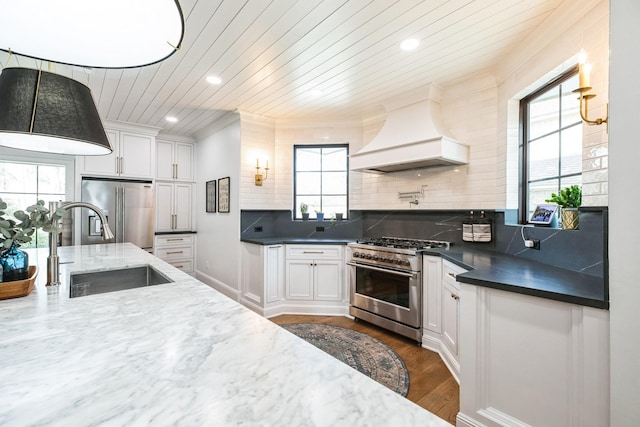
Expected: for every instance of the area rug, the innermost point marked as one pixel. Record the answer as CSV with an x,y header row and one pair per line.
x,y
362,352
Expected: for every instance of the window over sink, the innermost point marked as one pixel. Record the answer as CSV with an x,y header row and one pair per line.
x,y
321,180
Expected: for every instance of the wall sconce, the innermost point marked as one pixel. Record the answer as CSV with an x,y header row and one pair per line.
x,y
259,177
584,72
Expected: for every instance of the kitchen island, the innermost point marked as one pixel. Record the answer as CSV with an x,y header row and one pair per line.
x,y
174,354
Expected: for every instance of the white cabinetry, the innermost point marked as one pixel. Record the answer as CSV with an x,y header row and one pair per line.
x,y
441,310
177,249
529,361
174,160
132,157
451,316
432,301
173,206
262,277
315,273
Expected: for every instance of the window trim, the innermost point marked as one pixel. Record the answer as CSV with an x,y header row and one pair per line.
x,y
523,126
295,170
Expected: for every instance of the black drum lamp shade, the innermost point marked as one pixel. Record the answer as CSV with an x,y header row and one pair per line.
x,y
42,111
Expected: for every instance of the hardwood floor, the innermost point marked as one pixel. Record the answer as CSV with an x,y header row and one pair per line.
x,y
431,385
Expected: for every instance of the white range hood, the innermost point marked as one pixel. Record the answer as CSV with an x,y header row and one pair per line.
x,y
411,138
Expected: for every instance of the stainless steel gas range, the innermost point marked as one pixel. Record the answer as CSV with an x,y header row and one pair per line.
x,y
386,282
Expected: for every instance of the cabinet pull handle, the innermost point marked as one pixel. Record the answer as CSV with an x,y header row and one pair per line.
x,y
175,240
312,252
453,276
455,296
179,266
120,171
174,252
275,247
175,171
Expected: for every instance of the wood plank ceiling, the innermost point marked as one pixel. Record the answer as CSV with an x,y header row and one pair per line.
x,y
270,55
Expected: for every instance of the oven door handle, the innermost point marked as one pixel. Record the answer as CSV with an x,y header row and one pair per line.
x,y
384,270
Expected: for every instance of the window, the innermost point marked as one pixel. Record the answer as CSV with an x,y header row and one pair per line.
x,y
23,184
321,176
551,144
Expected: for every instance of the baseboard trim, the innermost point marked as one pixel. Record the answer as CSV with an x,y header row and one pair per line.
x,y
219,286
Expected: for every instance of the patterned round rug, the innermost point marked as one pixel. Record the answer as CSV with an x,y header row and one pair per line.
x,y
362,352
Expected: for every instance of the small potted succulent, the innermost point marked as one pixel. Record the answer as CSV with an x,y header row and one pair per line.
x,y
304,211
569,199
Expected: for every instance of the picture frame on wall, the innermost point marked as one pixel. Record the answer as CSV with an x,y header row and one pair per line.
x,y
223,195
211,196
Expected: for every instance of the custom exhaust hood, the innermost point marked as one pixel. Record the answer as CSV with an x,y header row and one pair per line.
x,y
411,138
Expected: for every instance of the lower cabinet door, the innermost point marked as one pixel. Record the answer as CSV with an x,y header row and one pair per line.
x,y
328,283
450,316
300,279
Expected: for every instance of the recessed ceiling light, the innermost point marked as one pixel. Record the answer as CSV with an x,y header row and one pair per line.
x,y
409,44
214,80
315,92
171,119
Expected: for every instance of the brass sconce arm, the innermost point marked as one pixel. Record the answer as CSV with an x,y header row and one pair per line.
x,y
584,106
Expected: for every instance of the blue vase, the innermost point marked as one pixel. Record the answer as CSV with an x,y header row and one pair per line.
x,y
15,264
319,216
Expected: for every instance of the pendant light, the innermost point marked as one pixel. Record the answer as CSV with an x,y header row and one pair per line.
x,y
96,34
42,111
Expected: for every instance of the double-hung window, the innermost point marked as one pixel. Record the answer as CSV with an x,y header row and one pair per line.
x,y
321,177
551,143
23,184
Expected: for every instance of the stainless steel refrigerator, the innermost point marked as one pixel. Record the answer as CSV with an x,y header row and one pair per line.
x,y
128,205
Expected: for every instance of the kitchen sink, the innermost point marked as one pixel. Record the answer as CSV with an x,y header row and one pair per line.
x,y
99,282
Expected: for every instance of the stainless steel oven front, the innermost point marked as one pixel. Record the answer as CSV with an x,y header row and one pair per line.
x,y
388,297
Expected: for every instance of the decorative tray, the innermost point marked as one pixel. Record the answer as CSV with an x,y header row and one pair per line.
x,y
19,288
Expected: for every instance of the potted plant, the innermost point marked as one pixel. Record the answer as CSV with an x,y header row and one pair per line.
x,y
319,216
303,210
15,262
569,199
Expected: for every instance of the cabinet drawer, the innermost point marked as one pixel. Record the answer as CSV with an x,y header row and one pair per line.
x,y
314,252
185,265
450,271
174,239
174,252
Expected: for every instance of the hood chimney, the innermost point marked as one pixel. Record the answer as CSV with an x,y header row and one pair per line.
x,y
411,138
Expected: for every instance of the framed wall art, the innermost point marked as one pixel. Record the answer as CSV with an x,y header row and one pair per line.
x,y
223,195
211,196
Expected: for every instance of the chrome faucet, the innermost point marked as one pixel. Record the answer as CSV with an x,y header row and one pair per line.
x,y
53,262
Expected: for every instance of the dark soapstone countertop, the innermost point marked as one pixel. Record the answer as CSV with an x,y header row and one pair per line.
x,y
516,274
265,241
500,271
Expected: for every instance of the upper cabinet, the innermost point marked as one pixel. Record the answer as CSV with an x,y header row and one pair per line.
x,y
133,156
174,161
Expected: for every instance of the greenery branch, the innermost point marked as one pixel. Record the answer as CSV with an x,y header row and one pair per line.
x,y
21,231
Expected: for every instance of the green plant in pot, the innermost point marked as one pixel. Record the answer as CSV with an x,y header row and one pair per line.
x,y
569,199
20,231
304,208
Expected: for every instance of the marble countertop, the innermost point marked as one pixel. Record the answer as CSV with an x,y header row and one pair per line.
x,y
174,354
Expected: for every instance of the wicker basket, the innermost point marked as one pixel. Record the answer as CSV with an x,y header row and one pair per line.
x,y
19,288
